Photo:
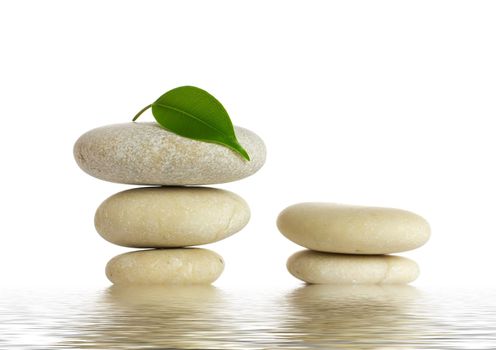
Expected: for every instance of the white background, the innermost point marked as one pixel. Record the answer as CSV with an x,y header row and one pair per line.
x,y
385,103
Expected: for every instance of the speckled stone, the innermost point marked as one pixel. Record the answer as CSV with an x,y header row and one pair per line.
x,y
326,268
147,154
165,266
350,229
164,217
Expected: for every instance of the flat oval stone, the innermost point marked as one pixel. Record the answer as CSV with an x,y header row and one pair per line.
x,y
165,266
326,268
349,229
147,154
166,217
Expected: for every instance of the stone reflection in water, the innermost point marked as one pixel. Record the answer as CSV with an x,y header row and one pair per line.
x,y
154,316
205,317
367,316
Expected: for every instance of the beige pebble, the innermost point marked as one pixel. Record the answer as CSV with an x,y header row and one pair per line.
x,y
165,266
349,229
165,217
327,268
147,154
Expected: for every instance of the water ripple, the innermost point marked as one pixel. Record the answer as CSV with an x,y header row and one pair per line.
x,y
205,317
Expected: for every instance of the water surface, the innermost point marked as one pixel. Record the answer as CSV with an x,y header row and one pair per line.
x,y
307,317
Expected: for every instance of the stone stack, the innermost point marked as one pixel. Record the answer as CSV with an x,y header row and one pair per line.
x,y
348,244
175,213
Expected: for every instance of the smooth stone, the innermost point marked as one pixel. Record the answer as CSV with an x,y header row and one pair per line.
x,y
167,217
327,268
165,266
336,228
147,154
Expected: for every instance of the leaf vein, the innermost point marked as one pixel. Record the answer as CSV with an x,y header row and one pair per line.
x,y
193,117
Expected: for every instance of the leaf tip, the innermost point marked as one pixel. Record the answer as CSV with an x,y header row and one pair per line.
x,y
239,149
246,156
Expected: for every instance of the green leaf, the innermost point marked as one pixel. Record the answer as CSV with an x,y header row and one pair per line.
x,y
193,113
